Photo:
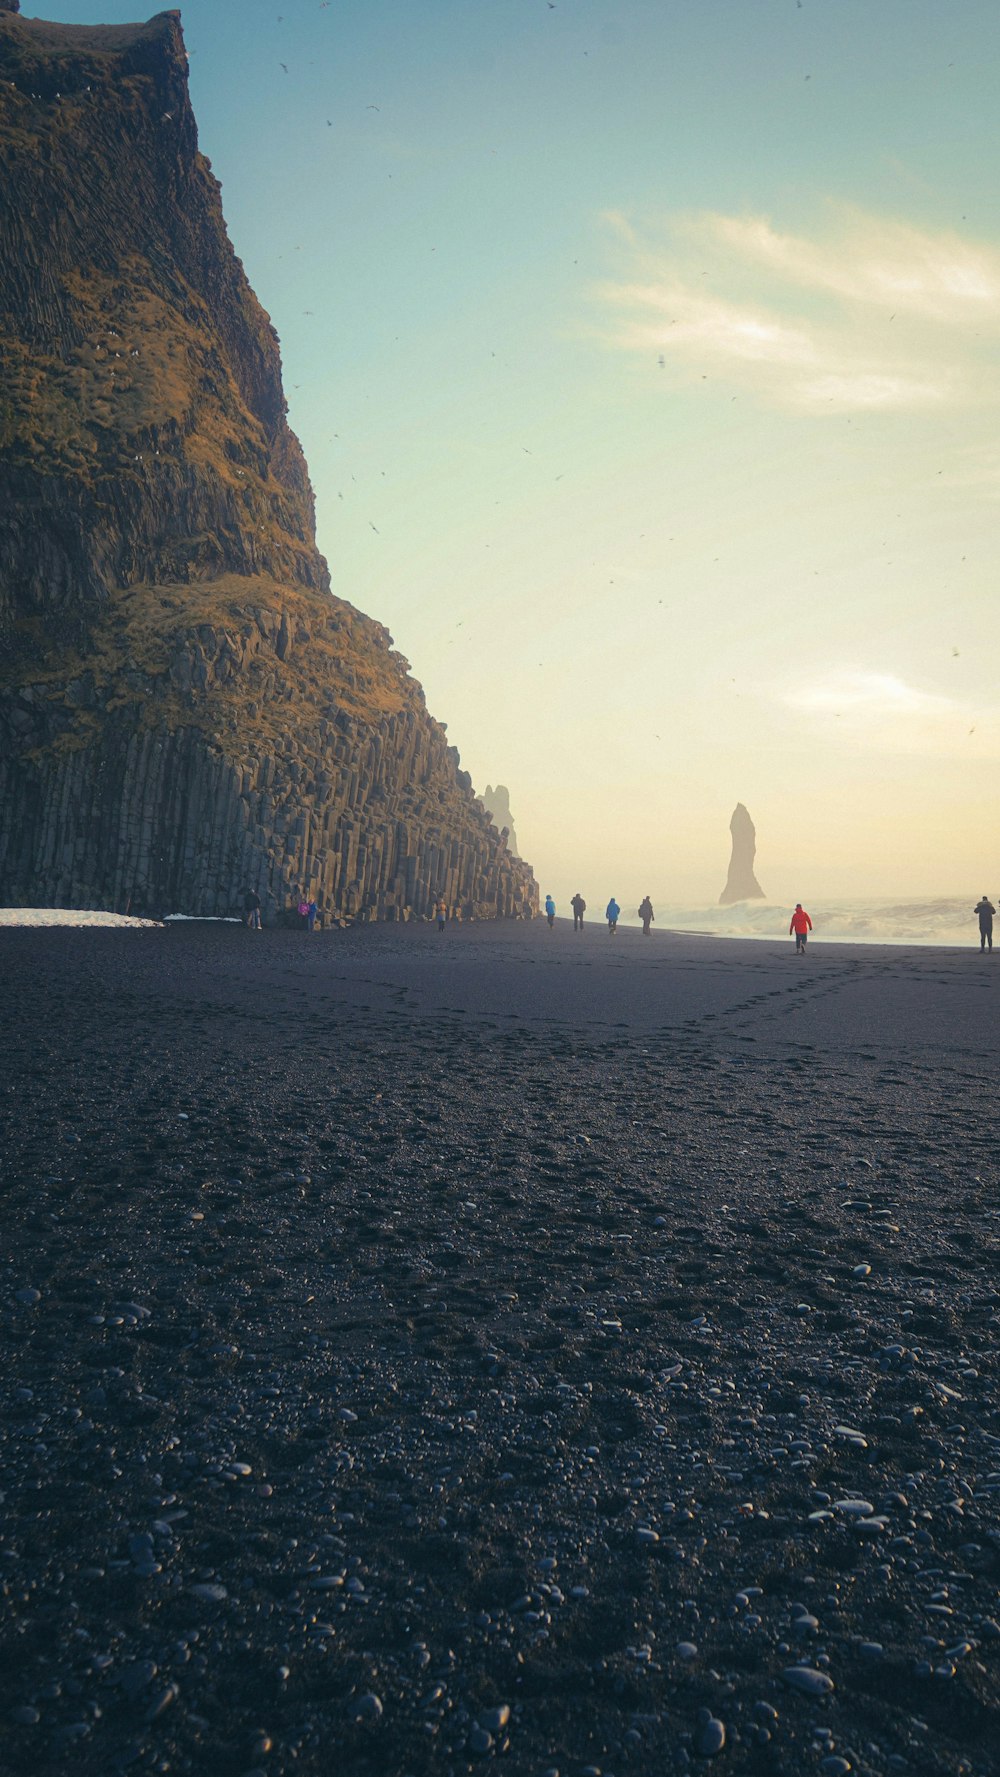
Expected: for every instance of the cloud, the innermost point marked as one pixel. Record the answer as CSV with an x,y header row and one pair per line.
x,y
879,694
872,262
879,316
881,713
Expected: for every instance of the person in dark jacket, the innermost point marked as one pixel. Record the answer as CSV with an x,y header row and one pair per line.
x,y
985,910
646,914
579,907
251,910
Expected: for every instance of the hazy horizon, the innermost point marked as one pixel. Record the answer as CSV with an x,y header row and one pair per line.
x,y
644,360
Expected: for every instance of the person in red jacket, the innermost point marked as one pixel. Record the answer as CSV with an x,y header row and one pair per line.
x,y
801,925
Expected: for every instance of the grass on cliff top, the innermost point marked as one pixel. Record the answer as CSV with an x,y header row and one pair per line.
x,y
138,364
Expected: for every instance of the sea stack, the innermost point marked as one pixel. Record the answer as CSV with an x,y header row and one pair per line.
x,y
186,710
741,883
496,801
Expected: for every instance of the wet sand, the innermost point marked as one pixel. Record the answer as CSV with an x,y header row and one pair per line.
x,y
400,1330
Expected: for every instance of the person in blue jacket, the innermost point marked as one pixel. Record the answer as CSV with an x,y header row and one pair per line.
x,y
550,911
611,914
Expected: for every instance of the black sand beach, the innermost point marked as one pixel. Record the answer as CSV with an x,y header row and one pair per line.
x,y
422,1351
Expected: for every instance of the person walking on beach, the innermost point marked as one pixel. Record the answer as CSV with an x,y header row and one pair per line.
x,y
550,911
441,913
579,907
312,912
251,910
611,915
646,914
985,910
801,925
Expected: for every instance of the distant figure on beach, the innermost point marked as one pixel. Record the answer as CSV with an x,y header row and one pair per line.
x,y
550,911
801,925
251,910
312,912
646,914
303,909
579,907
985,910
611,914
441,914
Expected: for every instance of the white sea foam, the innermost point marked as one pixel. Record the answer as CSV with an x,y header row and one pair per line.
x,y
210,919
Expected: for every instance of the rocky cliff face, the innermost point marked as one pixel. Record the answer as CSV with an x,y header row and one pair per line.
x,y
185,709
741,883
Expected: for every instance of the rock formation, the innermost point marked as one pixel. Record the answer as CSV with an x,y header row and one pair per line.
x,y
497,805
185,708
741,883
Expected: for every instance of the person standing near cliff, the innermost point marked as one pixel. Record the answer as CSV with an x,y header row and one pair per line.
x,y
646,914
801,925
550,911
579,907
441,914
251,910
985,909
611,915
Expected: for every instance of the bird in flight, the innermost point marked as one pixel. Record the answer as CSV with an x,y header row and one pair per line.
x,y
285,66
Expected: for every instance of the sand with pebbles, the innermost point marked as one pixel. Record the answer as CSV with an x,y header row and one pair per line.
x,y
427,1351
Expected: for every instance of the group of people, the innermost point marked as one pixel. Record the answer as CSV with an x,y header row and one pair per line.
x,y
801,925
612,913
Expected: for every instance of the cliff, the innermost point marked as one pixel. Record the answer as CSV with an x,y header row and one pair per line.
x,y
185,708
741,883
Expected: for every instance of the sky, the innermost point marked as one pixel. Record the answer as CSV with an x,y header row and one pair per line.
x,y
644,354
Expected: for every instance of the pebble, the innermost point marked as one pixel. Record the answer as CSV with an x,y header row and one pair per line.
x,y
367,1708
852,1435
807,1680
28,1297
209,1591
161,1702
686,1650
835,1766
25,1716
480,1741
136,1676
710,1737
495,1720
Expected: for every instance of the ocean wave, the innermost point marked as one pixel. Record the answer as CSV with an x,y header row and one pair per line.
x,y
939,922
